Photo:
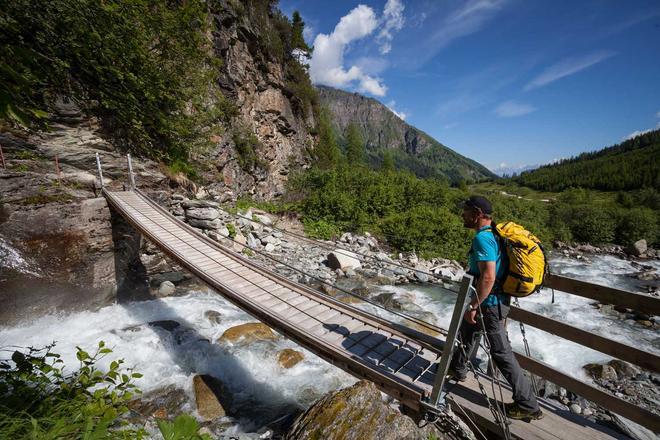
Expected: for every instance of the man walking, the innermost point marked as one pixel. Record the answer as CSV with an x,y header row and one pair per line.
x,y
486,264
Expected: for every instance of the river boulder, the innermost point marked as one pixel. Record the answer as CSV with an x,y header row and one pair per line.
x,y
207,391
248,333
638,248
289,357
342,259
357,413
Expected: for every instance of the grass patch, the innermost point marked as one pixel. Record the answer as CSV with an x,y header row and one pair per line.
x,y
42,199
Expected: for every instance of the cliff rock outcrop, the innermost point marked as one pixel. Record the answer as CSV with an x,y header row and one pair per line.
x,y
258,83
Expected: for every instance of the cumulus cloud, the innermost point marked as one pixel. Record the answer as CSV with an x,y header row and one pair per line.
x,y
567,67
393,21
327,63
511,109
402,115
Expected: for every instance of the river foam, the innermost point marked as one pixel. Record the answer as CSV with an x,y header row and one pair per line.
x,y
164,357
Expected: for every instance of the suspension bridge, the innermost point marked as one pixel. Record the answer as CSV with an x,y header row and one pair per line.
x,y
403,362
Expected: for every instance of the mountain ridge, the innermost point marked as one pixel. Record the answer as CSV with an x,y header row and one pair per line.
x,y
383,130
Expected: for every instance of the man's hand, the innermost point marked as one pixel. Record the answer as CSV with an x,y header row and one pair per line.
x,y
470,316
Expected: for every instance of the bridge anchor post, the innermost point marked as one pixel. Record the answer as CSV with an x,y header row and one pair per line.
x,y
98,167
131,176
437,394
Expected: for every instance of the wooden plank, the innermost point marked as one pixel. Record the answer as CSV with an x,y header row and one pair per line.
x,y
604,294
616,349
628,410
557,423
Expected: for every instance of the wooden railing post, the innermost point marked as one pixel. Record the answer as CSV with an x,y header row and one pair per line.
x,y
456,319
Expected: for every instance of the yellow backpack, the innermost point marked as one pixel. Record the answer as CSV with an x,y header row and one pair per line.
x,y
527,261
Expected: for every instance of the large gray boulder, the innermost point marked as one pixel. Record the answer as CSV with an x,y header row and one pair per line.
x,y
342,259
204,224
203,213
638,248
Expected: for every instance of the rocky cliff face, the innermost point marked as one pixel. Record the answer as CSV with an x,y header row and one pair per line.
x,y
256,82
383,130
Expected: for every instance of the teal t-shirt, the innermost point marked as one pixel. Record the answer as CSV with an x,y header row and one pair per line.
x,y
485,247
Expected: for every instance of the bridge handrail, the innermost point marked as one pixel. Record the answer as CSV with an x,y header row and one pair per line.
x,y
608,295
608,401
604,294
585,338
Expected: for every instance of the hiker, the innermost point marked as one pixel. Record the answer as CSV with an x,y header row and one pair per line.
x,y
486,264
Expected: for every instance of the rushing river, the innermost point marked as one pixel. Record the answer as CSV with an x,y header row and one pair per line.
x,y
253,374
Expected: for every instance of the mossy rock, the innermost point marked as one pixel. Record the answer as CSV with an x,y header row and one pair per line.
x,y
289,357
248,333
357,412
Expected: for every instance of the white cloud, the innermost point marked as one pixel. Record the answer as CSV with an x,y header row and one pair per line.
x,y
402,115
308,32
567,67
372,65
327,63
636,133
511,109
475,8
657,115
393,21
470,18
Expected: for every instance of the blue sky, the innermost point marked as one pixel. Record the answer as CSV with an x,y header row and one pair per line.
x,y
510,82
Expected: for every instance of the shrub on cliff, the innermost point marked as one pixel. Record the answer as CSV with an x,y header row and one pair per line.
x,y
144,67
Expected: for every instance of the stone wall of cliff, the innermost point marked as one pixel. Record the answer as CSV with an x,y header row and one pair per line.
x,y
259,83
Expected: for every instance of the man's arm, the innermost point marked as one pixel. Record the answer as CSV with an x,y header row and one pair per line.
x,y
484,286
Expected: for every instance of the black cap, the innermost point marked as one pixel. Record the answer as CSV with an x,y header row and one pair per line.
x,y
479,202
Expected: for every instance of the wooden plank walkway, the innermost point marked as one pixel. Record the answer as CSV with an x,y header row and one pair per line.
x,y
398,360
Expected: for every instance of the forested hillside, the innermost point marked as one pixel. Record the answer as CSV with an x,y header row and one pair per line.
x,y
388,137
630,165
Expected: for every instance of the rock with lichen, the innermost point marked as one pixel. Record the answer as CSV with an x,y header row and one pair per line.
x,y
357,412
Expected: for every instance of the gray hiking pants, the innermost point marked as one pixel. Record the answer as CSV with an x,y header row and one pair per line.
x,y
500,351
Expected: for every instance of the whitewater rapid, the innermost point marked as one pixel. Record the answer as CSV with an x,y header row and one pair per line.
x,y
253,374
579,312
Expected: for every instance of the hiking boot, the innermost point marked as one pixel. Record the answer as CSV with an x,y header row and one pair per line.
x,y
454,375
513,411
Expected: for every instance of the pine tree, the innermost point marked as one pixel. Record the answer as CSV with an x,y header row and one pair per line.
x,y
298,44
388,161
327,152
355,153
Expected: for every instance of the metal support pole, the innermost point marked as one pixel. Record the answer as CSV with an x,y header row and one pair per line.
x,y
131,177
456,319
98,167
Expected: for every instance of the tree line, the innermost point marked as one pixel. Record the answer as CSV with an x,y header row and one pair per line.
x,y
630,165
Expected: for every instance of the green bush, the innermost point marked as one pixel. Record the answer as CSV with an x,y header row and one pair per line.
x,y
635,224
593,225
428,230
321,229
247,149
39,400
